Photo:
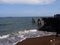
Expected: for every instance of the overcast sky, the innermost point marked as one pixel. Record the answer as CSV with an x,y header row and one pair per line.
x,y
29,8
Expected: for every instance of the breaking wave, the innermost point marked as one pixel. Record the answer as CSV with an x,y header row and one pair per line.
x,y
4,36
11,39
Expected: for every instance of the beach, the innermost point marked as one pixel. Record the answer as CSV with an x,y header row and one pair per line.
x,y
46,40
20,31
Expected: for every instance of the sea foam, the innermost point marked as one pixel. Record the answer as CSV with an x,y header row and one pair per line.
x,y
4,36
12,39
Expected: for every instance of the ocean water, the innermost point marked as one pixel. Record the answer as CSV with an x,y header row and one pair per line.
x,y
13,24
14,29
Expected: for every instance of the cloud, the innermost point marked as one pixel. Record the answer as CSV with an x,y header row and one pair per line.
x,y
27,1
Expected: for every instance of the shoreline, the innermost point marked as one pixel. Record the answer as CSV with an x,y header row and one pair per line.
x,y
46,40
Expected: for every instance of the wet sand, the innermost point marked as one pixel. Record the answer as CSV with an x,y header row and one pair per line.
x,y
46,40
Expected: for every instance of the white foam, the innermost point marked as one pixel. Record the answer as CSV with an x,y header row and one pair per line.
x,y
34,30
4,36
11,39
27,31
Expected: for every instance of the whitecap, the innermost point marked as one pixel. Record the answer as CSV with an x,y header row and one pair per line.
x,y
4,36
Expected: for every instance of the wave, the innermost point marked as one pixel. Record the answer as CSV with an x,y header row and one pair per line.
x,y
4,36
12,39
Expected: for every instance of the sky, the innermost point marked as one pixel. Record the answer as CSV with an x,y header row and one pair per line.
x,y
22,8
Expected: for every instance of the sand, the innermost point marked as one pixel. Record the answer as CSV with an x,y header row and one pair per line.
x,y
47,40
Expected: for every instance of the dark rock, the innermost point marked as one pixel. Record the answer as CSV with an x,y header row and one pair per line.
x,y
33,21
51,24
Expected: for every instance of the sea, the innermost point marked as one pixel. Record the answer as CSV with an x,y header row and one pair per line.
x,y
17,29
